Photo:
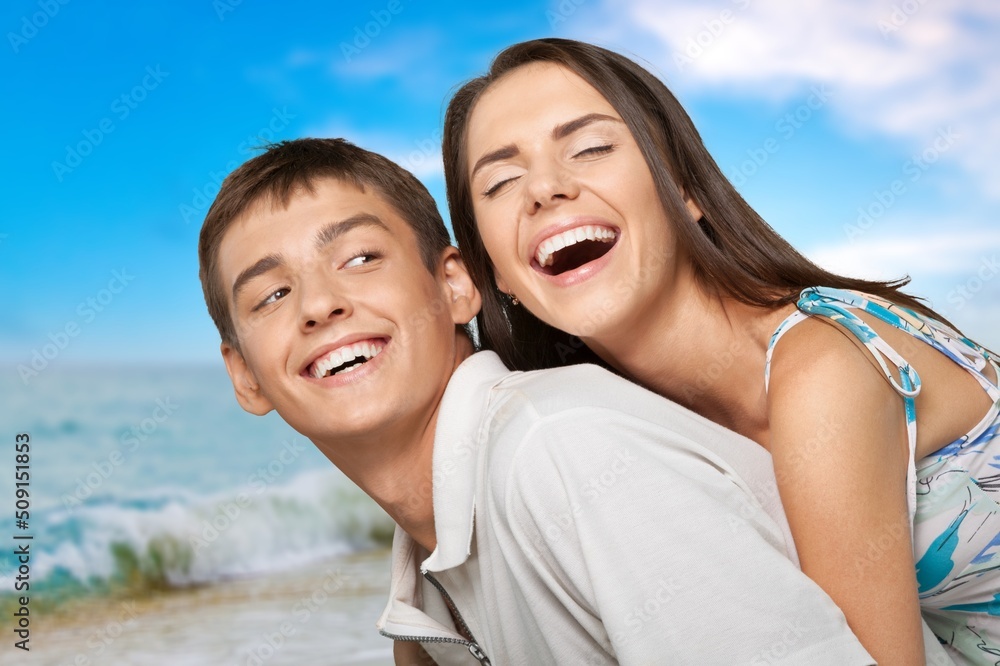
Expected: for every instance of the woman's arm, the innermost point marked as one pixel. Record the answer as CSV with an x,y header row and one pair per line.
x,y
838,440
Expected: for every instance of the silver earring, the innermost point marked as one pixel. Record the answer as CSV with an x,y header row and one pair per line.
x,y
513,300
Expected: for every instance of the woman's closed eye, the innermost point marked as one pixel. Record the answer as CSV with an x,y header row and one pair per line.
x,y
595,150
493,188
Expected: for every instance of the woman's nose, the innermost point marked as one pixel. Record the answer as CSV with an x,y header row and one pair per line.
x,y
548,184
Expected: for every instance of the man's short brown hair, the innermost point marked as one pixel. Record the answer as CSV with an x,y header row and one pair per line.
x,y
291,166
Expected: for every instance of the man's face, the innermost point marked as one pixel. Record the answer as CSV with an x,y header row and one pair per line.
x,y
342,328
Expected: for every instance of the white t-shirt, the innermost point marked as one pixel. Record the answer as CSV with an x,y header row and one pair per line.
x,y
581,519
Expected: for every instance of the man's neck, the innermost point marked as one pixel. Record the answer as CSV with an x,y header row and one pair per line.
x,y
394,466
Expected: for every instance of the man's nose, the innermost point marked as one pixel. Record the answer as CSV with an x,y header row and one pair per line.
x,y
321,304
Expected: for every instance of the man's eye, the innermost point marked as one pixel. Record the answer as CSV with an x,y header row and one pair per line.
x,y
595,150
361,259
274,297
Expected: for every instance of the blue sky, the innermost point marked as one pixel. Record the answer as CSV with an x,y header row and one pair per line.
x,y
122,118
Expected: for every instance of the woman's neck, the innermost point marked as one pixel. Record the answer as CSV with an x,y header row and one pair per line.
x,y
704,352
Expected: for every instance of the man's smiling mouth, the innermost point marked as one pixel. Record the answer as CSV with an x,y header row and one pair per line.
x,y
570,249
345,359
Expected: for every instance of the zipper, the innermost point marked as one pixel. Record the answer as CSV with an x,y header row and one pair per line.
x,y
474,649
473,646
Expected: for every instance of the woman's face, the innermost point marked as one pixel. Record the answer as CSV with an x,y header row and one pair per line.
x,y
566,205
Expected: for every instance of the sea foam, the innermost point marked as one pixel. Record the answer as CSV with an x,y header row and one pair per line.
x,y
176,538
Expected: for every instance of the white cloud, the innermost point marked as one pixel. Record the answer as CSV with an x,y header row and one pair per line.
x,y
387,54
958,272
411,58
930,255
422,157
907,68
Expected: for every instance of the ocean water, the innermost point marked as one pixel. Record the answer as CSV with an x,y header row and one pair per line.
x,y
151,481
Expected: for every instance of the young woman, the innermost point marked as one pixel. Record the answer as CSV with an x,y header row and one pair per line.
x,y
588,209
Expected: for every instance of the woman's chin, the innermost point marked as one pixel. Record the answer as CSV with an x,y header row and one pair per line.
x,y
588,318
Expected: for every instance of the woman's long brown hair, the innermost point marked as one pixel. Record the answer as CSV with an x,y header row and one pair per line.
x,y
734,252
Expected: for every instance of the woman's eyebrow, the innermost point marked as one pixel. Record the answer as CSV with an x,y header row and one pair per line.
x,y
504,153
567,128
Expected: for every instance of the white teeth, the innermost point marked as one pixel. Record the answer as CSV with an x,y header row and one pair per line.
x,y
551,245
345,354
322,366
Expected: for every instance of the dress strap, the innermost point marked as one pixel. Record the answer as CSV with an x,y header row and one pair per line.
x,y
966,353
783,327
813,302
909,382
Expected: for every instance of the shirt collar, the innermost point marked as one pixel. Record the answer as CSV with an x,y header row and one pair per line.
x,y
455,459
456,455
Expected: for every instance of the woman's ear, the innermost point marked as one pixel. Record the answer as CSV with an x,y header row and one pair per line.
x,y
502,284
247,389
463,297
694,210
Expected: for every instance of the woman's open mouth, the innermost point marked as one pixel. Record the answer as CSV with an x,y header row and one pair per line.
x,y
573,248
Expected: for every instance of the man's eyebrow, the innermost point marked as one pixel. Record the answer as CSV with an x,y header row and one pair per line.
x,y
564,130
558,132
261,266
335,230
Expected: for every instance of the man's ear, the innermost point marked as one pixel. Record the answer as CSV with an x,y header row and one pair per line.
x,y
247,389
463,297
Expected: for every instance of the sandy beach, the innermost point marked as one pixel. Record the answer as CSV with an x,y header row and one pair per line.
x,y
320,614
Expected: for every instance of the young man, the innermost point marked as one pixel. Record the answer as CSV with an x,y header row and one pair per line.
x,y
564,516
